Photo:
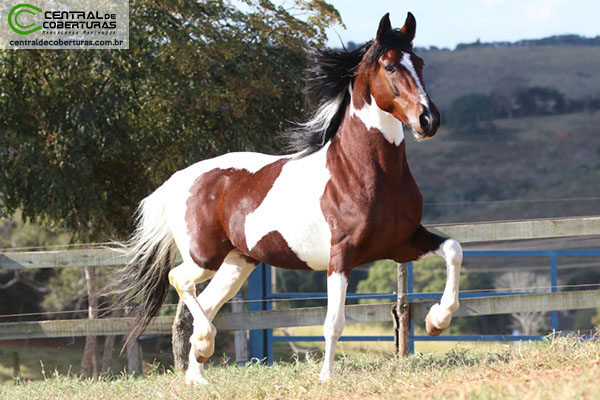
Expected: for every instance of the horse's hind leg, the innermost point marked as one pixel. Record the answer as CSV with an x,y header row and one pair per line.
x,y
184,279
223,286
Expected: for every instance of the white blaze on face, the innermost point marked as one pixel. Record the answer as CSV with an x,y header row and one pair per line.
x,y
293,208
374,117
407,63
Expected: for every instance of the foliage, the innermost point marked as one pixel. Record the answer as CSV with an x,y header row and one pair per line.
x,y
87,134
22,290
471,114
312,282
540,101
429,276
382,278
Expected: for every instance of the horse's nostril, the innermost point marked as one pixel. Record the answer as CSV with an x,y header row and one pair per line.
x,y
425,121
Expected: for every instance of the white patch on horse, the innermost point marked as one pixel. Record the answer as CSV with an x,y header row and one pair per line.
x,y
408,64
176,191
374,117
292,207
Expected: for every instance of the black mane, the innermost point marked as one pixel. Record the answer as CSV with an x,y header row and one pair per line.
x,y
327,77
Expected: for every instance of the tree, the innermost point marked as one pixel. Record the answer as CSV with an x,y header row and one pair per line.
x,y
429,276
538,100
471,114
529,322
504,93
87,134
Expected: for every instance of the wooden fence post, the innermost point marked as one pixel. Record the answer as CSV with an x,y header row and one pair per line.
x,y
180,336
240,338
134,359
401,313
16,367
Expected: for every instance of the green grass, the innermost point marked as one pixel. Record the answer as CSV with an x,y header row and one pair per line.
x,y
560,368
38,361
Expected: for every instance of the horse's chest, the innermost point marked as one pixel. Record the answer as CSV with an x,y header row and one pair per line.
x,y
375,217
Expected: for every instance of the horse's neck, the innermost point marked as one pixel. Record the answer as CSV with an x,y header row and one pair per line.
x,y
372,138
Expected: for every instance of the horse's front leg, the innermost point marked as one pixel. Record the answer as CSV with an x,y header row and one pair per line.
x,y
423,243
440,314
337,282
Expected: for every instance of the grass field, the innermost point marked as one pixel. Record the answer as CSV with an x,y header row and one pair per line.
x,y
565,368
38,360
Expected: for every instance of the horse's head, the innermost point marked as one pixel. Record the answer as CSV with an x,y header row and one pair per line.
x,y
395,78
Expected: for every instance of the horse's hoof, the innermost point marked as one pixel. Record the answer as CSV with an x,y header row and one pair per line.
x,y
431,329
196,381
203,348
200,357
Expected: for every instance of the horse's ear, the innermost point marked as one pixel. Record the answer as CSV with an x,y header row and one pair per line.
x,y
410,27
385,26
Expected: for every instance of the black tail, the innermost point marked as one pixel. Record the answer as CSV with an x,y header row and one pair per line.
x,y
144,282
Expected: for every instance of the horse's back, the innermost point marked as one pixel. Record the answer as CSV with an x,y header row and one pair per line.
x,y
268,207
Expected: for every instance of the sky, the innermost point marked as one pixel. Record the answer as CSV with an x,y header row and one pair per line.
x,y
446,23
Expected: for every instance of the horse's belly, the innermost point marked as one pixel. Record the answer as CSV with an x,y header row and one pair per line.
x,y
291,211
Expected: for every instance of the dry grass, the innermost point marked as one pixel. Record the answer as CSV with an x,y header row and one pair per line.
x,y
554,369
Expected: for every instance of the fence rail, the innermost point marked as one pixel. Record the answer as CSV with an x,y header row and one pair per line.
x,y
307,316
263,319
464,233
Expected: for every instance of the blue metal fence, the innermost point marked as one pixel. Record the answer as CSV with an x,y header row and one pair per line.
x,y
259,294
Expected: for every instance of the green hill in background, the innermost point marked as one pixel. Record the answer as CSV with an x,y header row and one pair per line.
x,y
520,164
574,70
498,176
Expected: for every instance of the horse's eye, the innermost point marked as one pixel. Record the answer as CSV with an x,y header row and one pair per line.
x,y
390,68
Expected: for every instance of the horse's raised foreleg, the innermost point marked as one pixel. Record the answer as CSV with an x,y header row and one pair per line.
x,y
223,286
424,243
337,282
440,314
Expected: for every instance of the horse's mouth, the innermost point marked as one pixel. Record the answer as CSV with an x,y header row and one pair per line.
x,y
419,136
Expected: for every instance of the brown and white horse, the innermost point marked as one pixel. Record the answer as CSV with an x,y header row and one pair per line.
x,y
346,198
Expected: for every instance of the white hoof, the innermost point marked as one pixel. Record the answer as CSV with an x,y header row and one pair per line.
x,y
324,376
439,316
195,380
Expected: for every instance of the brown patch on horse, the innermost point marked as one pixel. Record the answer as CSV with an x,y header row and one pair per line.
x,y
371,195
219,202
274,250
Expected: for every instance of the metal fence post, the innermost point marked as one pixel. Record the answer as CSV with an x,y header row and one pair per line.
x,y
240,338
554,289
402,313
259,285
411,332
